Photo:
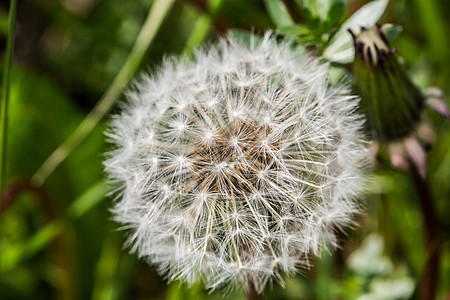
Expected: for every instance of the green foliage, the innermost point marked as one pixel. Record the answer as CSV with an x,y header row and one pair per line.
x,y
57,240
278,13
29,139
318,19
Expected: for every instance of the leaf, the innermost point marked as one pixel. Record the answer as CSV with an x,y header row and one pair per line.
x,y
340,48
323,11
278,13
317,8
335,13
299,33
294,31
309,17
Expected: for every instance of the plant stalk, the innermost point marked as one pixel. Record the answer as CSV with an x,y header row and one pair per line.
x,y
5,93
430,274
251,292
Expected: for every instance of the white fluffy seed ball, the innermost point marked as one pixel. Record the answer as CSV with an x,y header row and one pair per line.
x,y
236,166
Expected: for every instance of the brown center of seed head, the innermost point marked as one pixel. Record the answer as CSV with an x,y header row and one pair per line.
x,y
236,158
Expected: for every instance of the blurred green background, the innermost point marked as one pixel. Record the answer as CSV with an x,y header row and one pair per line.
x,y
58,240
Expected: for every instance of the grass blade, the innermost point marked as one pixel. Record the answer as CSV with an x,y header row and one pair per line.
x,y
5,93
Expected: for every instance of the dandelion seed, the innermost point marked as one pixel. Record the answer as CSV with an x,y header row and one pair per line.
x,y
241,180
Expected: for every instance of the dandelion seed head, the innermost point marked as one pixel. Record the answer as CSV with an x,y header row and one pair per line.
x,y
236,166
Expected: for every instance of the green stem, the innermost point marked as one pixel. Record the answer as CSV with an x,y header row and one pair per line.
x,y
323,277
5,94
156,15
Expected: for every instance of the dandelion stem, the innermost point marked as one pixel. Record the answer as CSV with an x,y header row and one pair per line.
x,y
429,280
251,292
5,93
156,15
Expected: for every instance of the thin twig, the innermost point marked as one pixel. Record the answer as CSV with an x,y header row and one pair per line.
x,y
156,15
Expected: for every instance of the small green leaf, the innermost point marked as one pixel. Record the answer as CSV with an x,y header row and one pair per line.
x,y
294,31
299,34
309,16
278,13
335,13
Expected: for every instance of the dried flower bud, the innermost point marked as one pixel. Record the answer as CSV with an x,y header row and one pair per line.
x,y
390,101
236,166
